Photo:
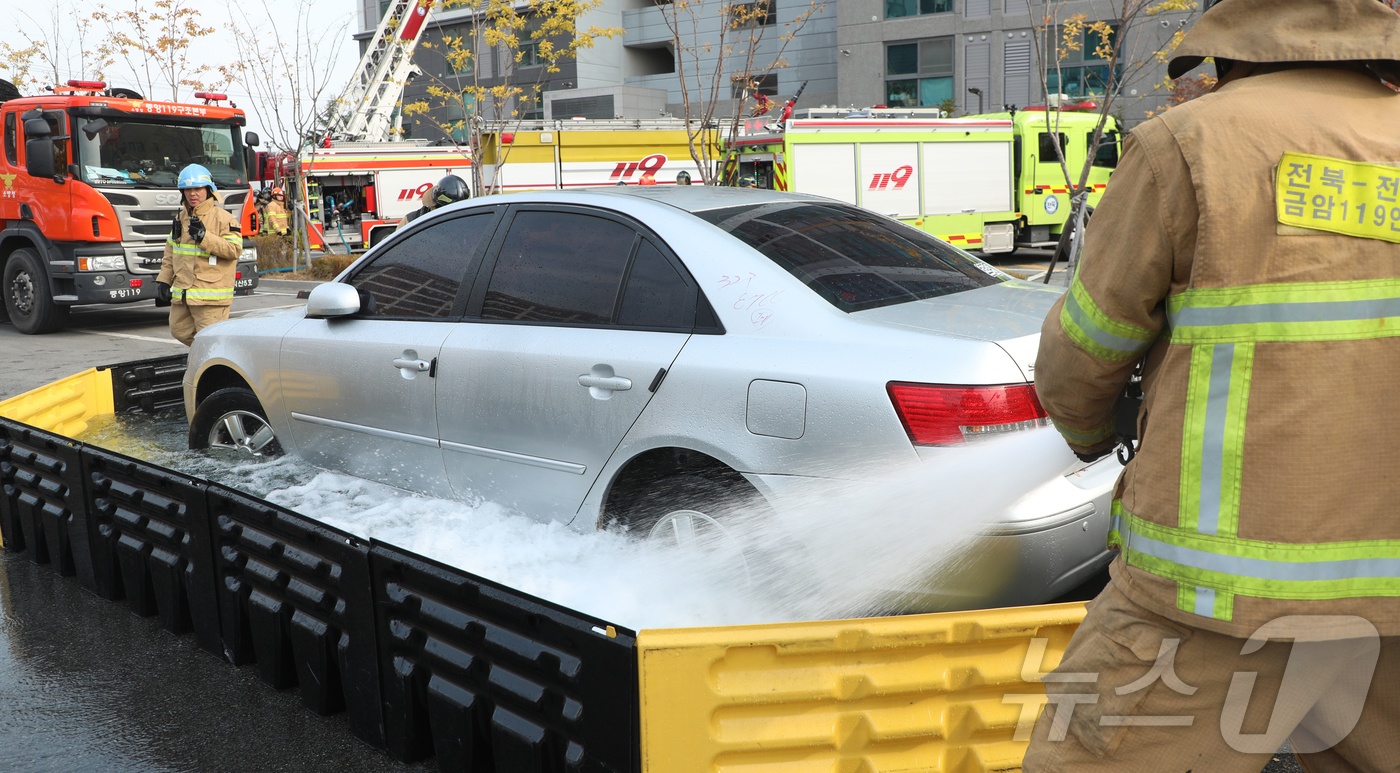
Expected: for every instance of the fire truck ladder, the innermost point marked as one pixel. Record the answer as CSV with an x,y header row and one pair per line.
x,y
366,108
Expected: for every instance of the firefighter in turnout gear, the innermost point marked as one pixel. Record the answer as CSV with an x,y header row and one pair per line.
x,y
449,190
201,258
275,216
1247,250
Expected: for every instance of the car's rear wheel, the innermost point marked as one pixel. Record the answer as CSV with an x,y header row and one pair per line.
x,y
27,300
717,519
232,420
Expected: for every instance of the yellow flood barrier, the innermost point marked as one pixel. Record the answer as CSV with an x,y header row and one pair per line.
x,y
950,692
65,406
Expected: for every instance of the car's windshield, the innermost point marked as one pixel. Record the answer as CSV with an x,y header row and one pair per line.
x,y
853,258
134,152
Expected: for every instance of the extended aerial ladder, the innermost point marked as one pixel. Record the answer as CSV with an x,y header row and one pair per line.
x,y
365,111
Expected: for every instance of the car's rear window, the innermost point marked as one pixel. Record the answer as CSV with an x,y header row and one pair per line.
x,y
855,259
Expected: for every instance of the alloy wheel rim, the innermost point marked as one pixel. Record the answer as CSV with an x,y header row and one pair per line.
x,y
692,530
241,431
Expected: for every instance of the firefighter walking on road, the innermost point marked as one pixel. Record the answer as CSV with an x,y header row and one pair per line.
x,y
1247,250
201,258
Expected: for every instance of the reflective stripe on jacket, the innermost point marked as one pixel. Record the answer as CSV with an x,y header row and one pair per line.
x,y
187,267
1266,484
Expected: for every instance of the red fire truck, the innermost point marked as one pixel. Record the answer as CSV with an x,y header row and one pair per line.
x,y
87,194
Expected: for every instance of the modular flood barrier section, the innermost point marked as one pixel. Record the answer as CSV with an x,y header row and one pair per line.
x,y
432,661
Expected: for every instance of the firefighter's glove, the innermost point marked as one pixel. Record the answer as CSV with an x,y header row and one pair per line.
x,y
1094,456
175,228
162,292
196,229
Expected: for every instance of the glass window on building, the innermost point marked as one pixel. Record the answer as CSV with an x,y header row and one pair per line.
x,y
919,73
897,8
456,50
1082,72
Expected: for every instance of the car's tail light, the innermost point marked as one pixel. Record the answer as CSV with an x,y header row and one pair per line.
x,y
945,414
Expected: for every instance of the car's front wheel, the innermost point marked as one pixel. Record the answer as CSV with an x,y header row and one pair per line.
x,y
232,419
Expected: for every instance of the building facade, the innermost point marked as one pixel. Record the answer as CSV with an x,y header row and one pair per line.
x,y
851,53
932,52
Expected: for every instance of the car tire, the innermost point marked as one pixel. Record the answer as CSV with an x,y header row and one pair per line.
x,y
233,420
28,303
728,518
657,507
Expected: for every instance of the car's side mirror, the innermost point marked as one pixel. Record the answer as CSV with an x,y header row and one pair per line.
x,y
251,139
332,299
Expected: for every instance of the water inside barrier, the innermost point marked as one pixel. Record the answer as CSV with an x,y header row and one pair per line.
x,y
844,548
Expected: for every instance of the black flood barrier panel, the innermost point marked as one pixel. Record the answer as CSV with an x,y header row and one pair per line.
x,y
294,596
491,679
42,508
427,659
148,385
150,543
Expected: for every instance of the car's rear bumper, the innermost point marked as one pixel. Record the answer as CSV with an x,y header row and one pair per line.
x,y
1051,540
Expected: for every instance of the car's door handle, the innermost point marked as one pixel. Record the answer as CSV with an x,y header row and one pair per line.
x,y
420,366
611,383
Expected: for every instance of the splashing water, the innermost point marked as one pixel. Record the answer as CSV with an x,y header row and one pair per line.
x,y
892,540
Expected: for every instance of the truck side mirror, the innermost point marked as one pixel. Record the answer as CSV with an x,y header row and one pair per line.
x,y
251,139
38,155
91,128
36,127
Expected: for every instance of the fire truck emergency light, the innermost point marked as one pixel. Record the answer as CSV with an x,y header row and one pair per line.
x,y
87,85
209,95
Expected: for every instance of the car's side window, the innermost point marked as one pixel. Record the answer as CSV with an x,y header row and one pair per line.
x,y
560,267
419,276
656,296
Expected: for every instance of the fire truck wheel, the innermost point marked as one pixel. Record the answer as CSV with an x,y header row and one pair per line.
x,y
27,300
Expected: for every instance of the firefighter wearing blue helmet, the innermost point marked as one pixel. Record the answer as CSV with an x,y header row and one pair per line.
x,y
201,258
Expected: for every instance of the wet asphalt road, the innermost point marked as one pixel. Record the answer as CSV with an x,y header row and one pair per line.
x,y
87,686
108,334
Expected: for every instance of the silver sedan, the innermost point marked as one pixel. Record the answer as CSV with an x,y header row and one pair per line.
x,y
659,360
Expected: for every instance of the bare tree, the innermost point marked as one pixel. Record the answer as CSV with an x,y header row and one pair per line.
x,y
1127,61
157,43
287,58
54,53
539,35
729,61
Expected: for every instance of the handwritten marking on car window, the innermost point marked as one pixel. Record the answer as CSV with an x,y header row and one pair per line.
x,y
730,280
761,318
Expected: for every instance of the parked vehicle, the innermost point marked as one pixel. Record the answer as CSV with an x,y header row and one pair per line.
x,y
89,194
989,182
645,357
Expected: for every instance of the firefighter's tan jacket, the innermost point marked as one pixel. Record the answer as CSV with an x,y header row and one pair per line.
x,y
203,274
275,216
1268,479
